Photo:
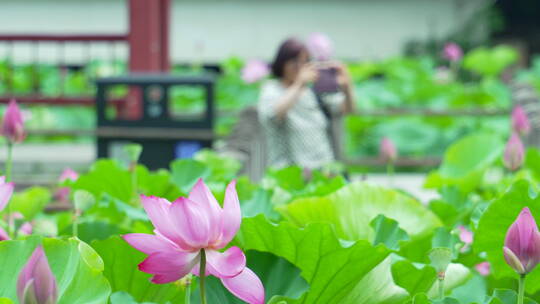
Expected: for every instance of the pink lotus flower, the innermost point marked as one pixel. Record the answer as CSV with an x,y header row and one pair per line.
x,y
62,194
68,173
319,46
466,236
513,153
483,268
36,283
254,70
387,150
522,243
6,190
13,124
189,227
24,229
452,52
520,122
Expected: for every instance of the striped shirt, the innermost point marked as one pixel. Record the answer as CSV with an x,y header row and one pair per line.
x,y
301,138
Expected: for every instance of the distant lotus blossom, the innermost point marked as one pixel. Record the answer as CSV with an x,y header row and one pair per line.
x,y
36,283
387,150
514,153
24,229
13,123
68,173
189,227
6,190
62,194
452,52
443,75
522,243
520,122
320,46
466,236
483,268
254,70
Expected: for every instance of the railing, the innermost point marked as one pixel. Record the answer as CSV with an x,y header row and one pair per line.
x,y
60,42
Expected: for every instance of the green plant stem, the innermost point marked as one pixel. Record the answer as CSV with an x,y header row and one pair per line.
x,y
390,173
521,291
8,179
187,298
202,272
441,288
133,169
75,228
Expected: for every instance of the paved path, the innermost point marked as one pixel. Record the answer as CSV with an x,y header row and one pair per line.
x,y
43,163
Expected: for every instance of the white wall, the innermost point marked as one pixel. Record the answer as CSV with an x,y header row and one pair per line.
x,y
214,29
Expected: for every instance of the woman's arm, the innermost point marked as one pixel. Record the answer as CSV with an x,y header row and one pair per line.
x,y
307,74
345,82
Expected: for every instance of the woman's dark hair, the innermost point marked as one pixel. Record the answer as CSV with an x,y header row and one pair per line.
x,y
289,49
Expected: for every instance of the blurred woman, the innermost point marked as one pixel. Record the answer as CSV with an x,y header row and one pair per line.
x,y
295,120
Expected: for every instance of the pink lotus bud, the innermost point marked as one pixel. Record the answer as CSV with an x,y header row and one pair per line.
x,y
520,122
319,46
483,268
68,173
466,236
6,190
513,153
522,243
3,235
36,283
62,194
254,70
387,150
13,124
452,52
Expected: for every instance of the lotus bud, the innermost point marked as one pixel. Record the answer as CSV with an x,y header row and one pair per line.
x,y
452,52
387,150
13,123
320,46
520,122
522,243
513,153
36,283
254,70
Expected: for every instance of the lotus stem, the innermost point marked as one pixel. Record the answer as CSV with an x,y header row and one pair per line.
x,y
441,288
521,291
8,179
202,272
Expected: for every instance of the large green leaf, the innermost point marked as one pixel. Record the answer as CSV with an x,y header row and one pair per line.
x,y
490,62
494,225
387,231
414,278
121,270
465,162
31,201
107,176
185,172
506,296
325,263
382,289
352,208
76,267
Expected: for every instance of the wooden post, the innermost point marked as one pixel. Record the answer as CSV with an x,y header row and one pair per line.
x,y
148,46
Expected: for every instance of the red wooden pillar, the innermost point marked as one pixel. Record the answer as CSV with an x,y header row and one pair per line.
x,y
148,45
